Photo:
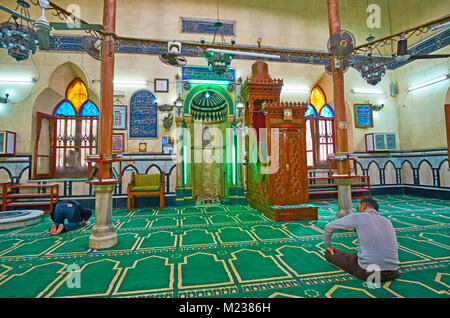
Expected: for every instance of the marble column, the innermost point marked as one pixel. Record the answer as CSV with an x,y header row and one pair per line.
x,y
344,196
103,234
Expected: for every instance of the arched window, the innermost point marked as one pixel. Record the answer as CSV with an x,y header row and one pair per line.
x,y
319,129
76,131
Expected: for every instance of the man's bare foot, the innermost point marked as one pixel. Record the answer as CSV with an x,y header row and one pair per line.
x,y
59,230
52,229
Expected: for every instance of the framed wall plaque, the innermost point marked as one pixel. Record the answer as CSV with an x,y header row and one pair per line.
x,y
119,117
363,115
161,85
143,115
118,141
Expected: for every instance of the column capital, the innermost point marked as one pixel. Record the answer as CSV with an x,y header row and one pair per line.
x,y
104,188
179,121
188,120
345,181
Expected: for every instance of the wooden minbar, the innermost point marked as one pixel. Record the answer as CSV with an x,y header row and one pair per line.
x,y
277,174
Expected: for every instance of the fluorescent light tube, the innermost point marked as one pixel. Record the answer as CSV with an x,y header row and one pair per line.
x,y
130,83
17,80
208,82
295,89
367,91
428,83
439,26
269,56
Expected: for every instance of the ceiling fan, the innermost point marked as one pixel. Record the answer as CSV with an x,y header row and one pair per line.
x,y
44,27
403,56
173,56
340,46
93,46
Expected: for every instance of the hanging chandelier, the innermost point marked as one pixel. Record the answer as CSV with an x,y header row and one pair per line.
x,y
373,71
218,62
17,36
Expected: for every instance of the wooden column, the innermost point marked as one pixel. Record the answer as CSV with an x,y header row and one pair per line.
x,y
103,233
338,91
107,90
344,185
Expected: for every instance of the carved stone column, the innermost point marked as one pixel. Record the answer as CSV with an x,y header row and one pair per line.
x,y
103,234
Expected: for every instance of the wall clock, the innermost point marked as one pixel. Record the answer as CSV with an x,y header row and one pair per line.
x,y
142,147
287,114
161,85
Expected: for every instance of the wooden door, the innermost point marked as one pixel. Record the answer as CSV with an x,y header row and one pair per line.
x,y
44,146
279,191
295,153
289,184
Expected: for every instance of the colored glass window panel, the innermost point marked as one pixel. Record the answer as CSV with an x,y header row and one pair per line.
x,y
64,109
89,109
318,98
327,112
311,111
77,94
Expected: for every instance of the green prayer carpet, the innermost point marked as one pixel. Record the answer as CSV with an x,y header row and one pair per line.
x,y
228,251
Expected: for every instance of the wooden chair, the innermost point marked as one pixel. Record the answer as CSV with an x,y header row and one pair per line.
x,y
146,184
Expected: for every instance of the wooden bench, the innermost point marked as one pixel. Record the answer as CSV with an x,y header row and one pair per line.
x,y
3,192
146,184
47,194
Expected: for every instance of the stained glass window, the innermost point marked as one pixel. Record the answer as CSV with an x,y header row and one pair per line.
x,y
311,111
89,109
320,134
318,98
76,135
326,112
77,93
64,109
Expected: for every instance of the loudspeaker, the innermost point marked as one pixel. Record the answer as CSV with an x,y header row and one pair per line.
x,y
402,47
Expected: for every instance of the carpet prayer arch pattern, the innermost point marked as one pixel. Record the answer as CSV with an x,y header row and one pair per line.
x,y
228,251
